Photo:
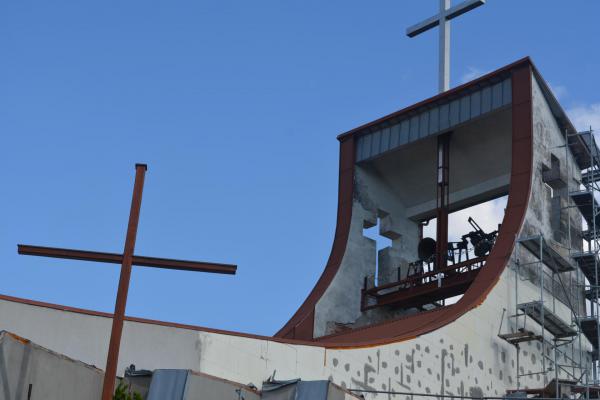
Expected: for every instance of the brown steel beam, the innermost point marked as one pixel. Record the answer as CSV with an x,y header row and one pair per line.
x,y
430,292
114,345
411,280
184,265
115,258
83,255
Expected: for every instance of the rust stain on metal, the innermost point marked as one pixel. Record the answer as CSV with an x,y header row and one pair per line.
x,y
18,338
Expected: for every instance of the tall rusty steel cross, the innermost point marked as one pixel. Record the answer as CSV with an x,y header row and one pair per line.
x,y
127,259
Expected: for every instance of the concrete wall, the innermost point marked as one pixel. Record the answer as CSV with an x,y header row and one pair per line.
x,y
85,337
28,371
376,199
397,190
549,142
374,202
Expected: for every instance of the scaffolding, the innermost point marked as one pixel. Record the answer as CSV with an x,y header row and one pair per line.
x,y
561,338
586,201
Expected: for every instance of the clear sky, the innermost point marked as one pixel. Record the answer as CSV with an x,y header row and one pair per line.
x,y
235,106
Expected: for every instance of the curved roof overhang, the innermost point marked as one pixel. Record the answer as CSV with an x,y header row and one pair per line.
x,y
300,326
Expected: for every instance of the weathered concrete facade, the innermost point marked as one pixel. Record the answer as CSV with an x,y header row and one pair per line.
x,y
397,192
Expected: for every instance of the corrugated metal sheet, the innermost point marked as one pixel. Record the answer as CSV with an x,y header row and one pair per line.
x,y
168,384
296,390
434,120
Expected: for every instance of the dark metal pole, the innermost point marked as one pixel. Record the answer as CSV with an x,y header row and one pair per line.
x,y
443,192
117,323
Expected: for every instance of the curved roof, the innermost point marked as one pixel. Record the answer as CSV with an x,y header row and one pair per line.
x,y
300,326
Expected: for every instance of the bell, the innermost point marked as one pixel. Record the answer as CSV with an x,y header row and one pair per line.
x,y
483,247
426,248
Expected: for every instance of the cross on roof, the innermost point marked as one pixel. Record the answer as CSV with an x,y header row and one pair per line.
x,y
127,259
443,20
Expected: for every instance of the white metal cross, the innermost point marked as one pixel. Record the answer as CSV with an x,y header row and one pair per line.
x,y
443,20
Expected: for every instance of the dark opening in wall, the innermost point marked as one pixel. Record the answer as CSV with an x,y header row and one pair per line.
x,y
488,215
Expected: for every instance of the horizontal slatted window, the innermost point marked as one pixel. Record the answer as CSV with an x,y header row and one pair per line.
x,y
433,120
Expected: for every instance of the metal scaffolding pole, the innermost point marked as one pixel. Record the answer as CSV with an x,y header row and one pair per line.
x,y
570,346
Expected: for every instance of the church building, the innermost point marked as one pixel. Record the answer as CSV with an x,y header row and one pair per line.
x,y
511,311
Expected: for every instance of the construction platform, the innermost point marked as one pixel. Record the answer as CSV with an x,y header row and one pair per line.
x,y
424,288
547,319
522,335
544,252
588,206
585,149
590,177
547,392
587,263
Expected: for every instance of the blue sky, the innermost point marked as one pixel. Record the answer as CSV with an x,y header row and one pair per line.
x,y
235,106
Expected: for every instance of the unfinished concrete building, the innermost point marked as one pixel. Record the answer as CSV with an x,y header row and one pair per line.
x,y
491,313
